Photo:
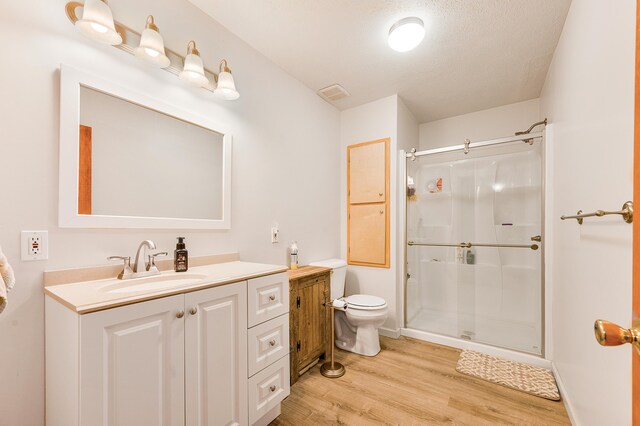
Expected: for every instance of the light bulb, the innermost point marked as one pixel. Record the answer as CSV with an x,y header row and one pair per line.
x,y
151,47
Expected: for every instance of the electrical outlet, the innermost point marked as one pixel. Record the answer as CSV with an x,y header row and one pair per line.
x,y
275,235
35,245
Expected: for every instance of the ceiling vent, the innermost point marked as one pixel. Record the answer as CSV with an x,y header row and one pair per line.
x,y
333,93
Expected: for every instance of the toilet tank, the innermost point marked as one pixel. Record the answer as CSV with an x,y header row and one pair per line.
x,y
338,276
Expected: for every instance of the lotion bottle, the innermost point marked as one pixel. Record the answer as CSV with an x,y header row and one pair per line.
x,y
180,257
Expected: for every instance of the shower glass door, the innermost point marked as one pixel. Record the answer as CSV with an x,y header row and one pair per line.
x,y
492,196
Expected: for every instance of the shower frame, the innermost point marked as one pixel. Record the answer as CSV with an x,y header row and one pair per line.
x,y
522,137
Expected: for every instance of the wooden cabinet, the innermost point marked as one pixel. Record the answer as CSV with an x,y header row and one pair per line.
x,y
216,356
367,172
368,204
368,234
309,317
131,365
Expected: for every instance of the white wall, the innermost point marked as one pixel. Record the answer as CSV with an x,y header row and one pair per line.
x,y
480,125
588,96
408,137
286,143
372,121
387,117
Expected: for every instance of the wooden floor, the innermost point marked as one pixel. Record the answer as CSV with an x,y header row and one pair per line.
x,y
410,382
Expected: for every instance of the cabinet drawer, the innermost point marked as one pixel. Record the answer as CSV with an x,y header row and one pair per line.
x,y
268,388
268,298
268,342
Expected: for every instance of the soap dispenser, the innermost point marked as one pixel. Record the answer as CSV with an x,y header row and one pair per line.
x,y
293,252
180,257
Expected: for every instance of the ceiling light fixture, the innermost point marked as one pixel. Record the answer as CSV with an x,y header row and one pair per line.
x,y
193,71
97,22
151,47
406,34
226,88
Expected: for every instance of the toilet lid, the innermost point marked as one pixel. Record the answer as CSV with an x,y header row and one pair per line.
x,y
365,301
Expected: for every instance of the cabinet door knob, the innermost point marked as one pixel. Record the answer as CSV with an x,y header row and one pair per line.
x,y
180,314
194,310
272,343
380,194
272,297
273,388
381,211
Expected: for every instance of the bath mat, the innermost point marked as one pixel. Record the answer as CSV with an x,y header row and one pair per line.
x,y
536,381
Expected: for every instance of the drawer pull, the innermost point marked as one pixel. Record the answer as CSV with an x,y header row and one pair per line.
x,y
194,310
272,343
273,388
272,297
180,314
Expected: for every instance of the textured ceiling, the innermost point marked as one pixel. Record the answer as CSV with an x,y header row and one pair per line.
x,y
476,54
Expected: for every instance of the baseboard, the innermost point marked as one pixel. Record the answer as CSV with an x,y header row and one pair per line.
x,y
387,332
475,346
563,393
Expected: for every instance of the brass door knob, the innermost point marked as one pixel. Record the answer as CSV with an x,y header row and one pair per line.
x,y
180,314
610,334
194,310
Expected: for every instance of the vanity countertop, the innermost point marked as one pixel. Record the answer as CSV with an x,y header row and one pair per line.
x,y
306,272
90,296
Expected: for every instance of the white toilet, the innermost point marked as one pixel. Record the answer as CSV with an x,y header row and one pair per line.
x,y
356,328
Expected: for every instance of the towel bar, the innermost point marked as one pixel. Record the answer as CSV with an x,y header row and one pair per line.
x,y
626,212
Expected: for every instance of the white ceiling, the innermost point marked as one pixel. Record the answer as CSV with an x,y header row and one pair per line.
x,y
476,54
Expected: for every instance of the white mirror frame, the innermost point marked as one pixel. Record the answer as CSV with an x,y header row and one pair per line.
x,y
70,82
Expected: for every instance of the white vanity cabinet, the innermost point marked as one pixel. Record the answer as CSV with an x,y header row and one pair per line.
x,y
132,365
216,356
176,360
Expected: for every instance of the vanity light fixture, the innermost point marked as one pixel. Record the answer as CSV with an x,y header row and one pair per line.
x,y
406,34
226,88
96,22
193,71
151,47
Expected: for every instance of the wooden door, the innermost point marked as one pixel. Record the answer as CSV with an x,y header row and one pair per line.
x,y
636,233
367,234
216,356
85,161
132,365
311,320
367,175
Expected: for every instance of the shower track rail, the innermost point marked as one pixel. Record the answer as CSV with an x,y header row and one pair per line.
x,y
528,137
469,245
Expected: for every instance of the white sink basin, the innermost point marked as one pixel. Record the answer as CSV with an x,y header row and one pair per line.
x,y
157,282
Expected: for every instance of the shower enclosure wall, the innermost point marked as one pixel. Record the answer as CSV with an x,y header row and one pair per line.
x,y
473,254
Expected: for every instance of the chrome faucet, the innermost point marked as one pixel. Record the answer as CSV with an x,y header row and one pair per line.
x,y
140,267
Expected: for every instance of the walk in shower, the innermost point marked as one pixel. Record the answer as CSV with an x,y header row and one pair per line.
x,y
474,260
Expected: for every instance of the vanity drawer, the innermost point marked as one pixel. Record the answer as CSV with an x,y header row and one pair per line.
x,y
268,388
268,298
268,342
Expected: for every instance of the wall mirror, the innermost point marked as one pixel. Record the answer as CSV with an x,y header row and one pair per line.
x,y
131,161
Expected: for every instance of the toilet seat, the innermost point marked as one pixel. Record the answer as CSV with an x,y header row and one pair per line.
x,y
365,302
